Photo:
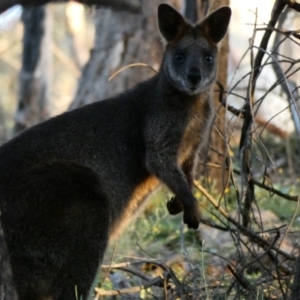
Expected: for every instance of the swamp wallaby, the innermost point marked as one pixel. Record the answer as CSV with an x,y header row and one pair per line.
x,y
70,184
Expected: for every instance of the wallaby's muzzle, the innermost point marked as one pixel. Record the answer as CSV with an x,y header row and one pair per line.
x,y
194,76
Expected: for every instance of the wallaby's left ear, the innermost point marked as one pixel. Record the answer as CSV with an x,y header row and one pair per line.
x,y
215,25
170,21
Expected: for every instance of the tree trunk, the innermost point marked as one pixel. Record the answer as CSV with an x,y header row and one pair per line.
x,y
33,100
122,38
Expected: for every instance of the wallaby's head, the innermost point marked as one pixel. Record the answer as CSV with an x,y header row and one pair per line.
x,y
190,61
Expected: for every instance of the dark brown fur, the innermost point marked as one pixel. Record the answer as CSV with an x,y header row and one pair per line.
x,y
71,183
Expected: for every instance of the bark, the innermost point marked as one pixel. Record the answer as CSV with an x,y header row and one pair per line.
x,y
121,38
131,5
190,10
33,99
76,30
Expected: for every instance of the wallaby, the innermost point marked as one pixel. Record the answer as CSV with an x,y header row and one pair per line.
x,y
70,184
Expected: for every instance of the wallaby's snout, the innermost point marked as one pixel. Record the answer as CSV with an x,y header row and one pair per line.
x,y
194,76
194,69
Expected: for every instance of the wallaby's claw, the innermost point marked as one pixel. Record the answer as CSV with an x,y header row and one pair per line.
x,y
174,206
192,218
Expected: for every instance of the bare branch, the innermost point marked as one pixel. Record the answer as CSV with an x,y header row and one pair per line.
x,y
296,284
157,281
294,4
277,10
239,276
288,86
247,232
268,188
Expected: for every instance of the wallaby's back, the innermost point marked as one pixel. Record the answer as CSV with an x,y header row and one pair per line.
x,y
71,183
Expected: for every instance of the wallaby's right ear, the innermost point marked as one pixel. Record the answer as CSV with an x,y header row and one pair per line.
x,y
170,21
216,24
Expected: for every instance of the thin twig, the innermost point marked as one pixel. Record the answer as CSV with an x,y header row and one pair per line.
x,y
268,188
130,66
157,281
277,10
247,232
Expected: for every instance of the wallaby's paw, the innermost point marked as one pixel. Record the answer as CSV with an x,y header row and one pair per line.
x,y
192,218
174,206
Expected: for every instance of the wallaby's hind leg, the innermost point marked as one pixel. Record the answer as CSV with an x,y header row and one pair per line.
x,y
58,236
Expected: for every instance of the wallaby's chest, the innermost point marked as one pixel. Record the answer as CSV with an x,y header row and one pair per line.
x,y
195,132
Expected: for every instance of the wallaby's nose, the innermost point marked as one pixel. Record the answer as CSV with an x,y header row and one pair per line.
x,y
194,75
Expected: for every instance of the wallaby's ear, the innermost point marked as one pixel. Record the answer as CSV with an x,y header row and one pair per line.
x,y
170,21
215,25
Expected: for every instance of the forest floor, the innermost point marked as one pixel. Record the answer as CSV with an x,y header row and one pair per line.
x,y
217,261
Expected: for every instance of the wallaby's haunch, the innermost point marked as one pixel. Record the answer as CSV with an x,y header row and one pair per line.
x,y
69,184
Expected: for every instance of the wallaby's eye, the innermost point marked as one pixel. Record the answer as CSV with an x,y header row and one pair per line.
x,y
208,58
179,57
